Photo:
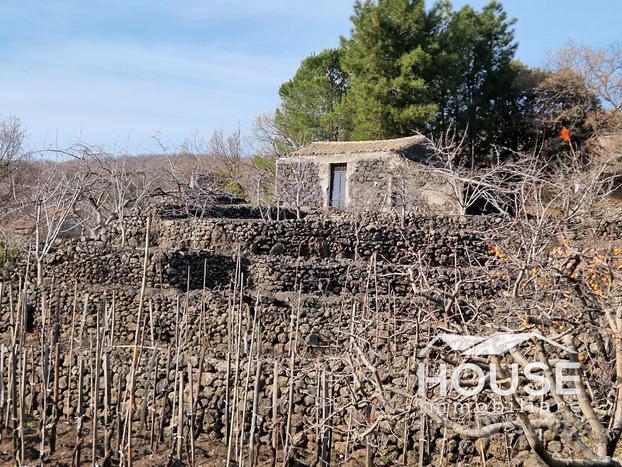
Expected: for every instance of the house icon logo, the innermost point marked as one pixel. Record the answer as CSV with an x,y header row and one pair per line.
x,y
496,344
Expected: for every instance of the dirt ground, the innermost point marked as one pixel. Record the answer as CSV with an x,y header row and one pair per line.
x,y
208,452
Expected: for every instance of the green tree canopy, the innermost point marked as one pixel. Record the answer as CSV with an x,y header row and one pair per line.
x,y
309,99
473,74
406,68
386,59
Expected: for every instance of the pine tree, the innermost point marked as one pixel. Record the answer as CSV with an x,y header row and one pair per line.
x,y
406,69
309,99
384,59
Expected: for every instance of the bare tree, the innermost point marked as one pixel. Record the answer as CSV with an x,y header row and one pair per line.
x,y
551,286
268,138
600,67
272,138
293,182
229,151
297,183
119,185
267,148
189,179
50,202
13,155
468,185
12,138
121,188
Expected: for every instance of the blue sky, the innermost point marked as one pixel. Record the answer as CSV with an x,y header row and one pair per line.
x,y
116,72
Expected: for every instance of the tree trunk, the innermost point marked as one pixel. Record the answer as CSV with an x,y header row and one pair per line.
x,y
123,234
39,271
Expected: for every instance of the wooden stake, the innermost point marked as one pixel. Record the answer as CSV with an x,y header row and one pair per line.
x,y
136,353
180,419
80,412
107,408
191,413
95,393
275,412
251,439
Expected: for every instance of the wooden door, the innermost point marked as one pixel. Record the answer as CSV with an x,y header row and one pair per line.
x,y
338,182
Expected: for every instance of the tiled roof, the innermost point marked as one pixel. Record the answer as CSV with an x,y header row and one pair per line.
x,y
390,146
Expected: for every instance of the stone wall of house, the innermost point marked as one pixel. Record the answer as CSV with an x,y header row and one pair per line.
x,y
369,184
417,189
376,182
298,182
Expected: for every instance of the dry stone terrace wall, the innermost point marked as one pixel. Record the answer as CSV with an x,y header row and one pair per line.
x,y
325,276
224,211
338,293
322,328
609,229
442,241
324,335
323,321
87,263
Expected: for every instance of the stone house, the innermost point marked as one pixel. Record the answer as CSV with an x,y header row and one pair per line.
x,y
382,175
